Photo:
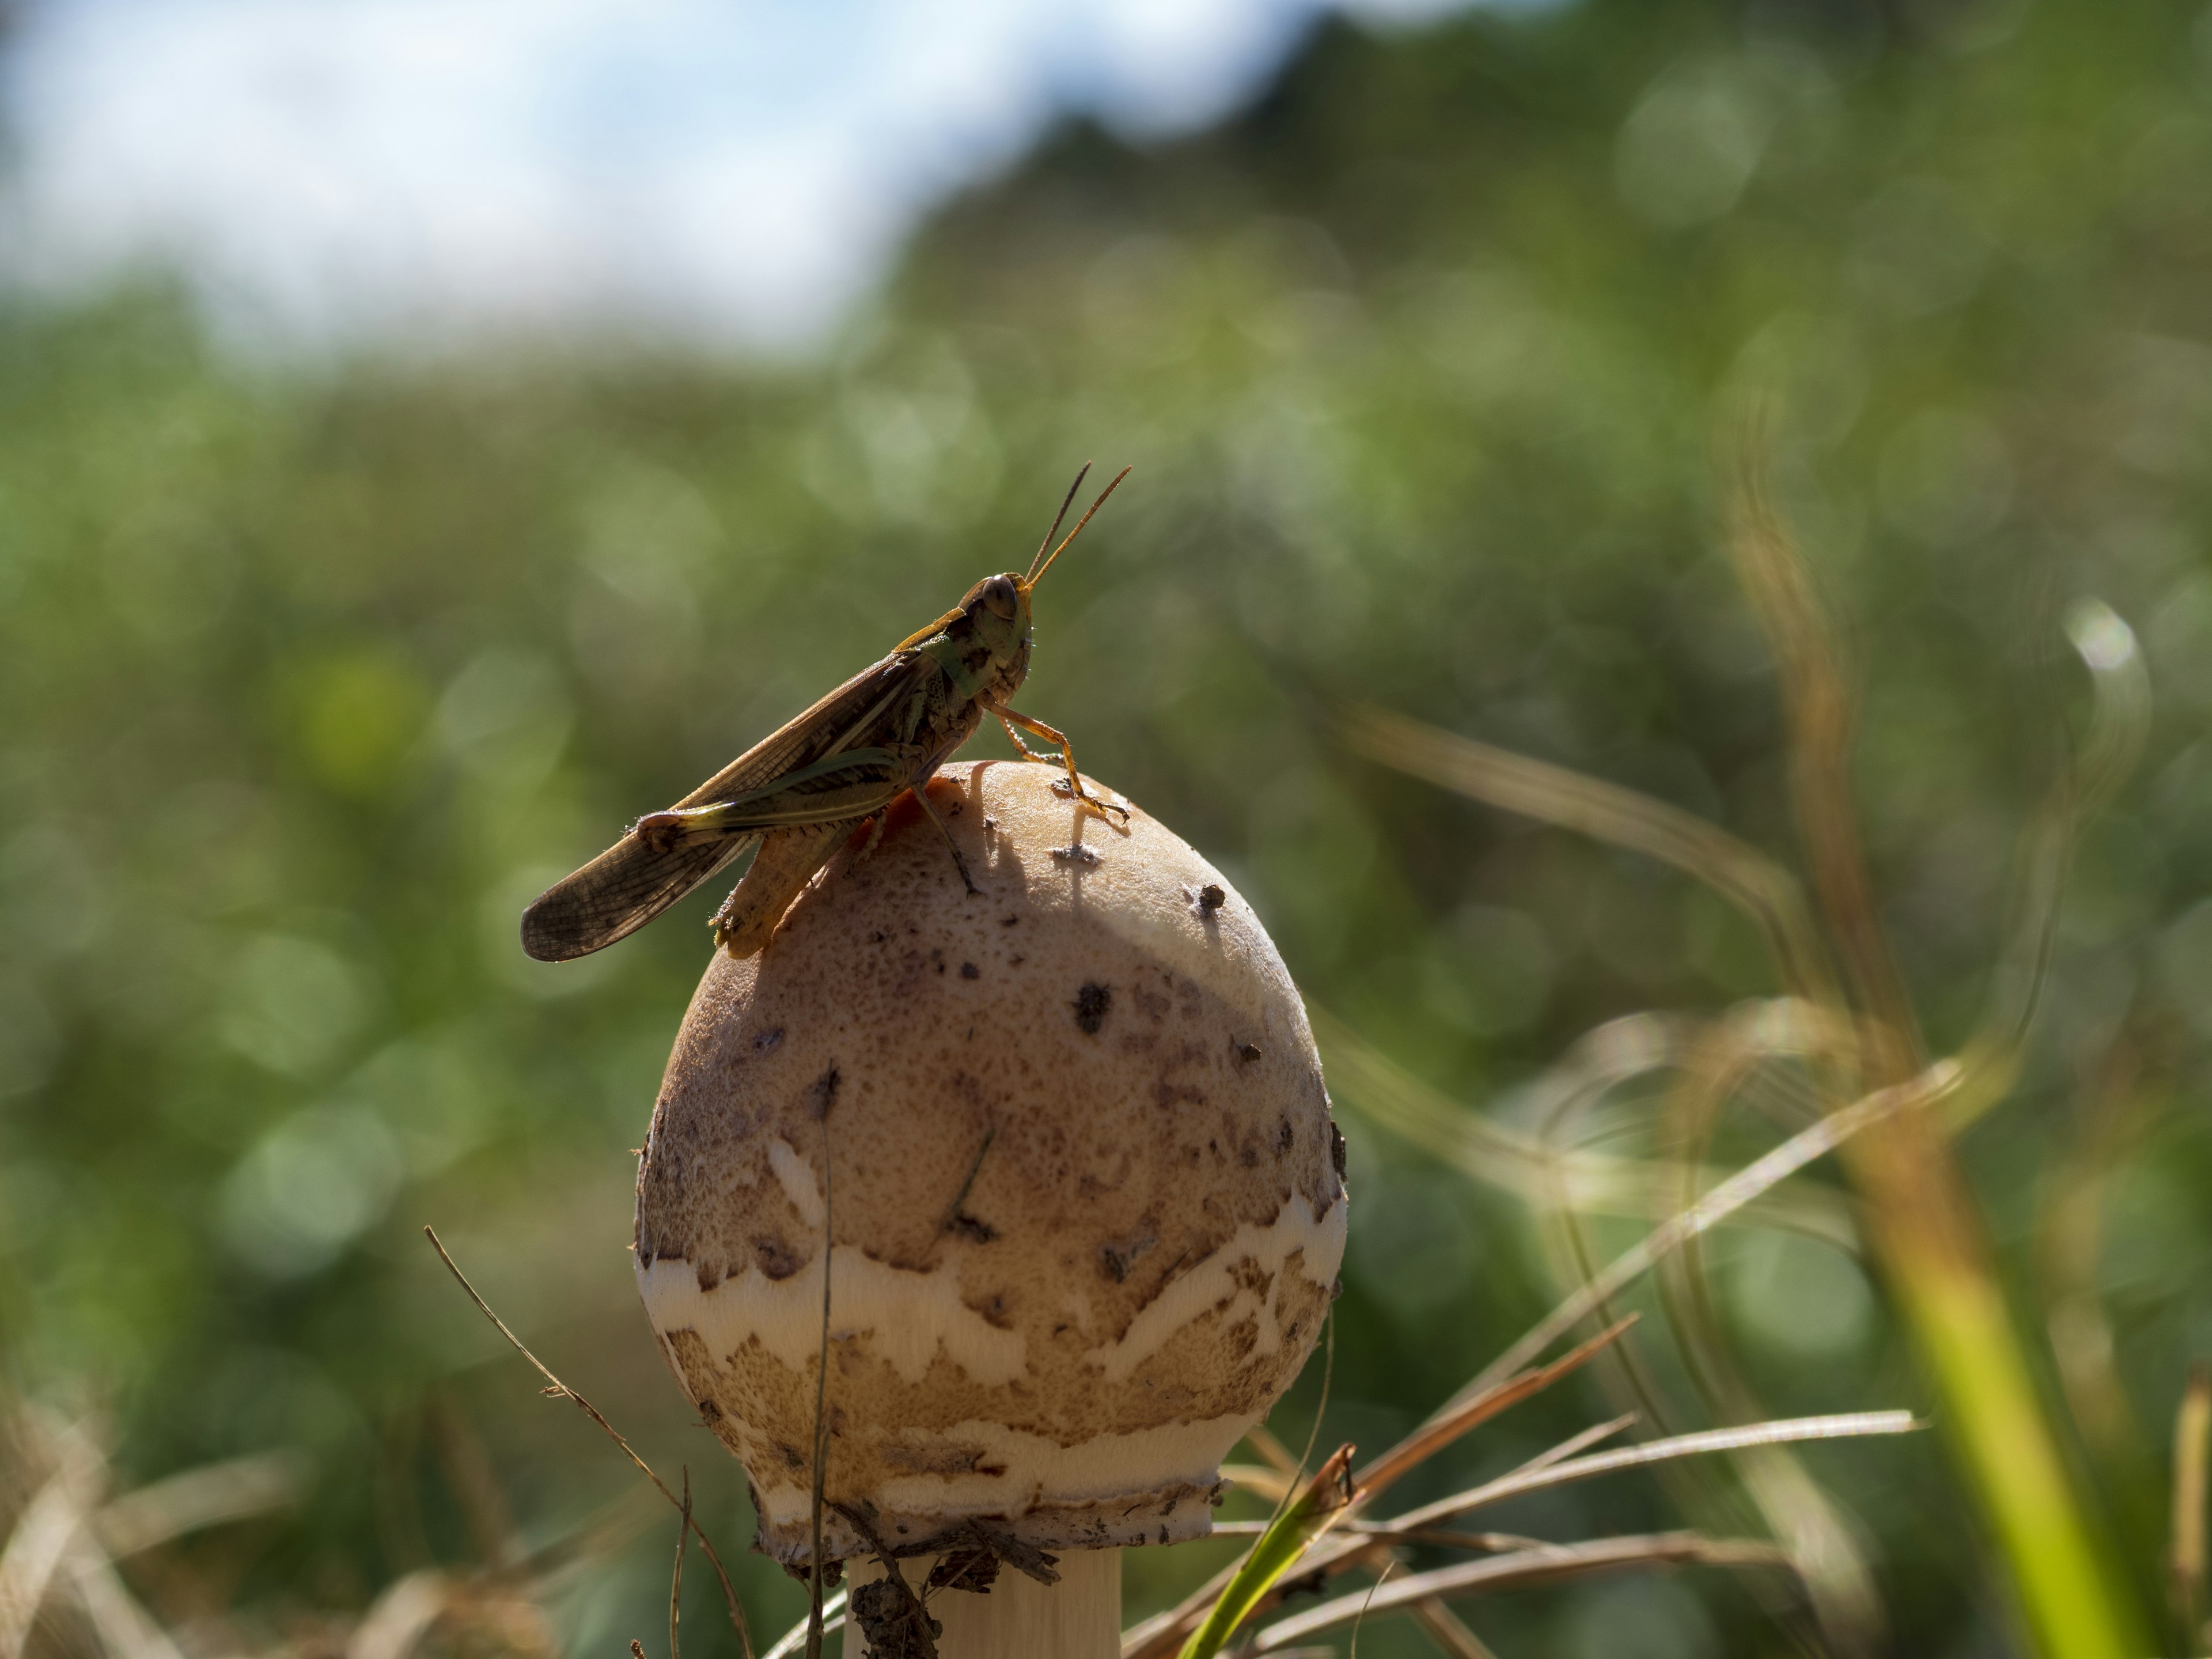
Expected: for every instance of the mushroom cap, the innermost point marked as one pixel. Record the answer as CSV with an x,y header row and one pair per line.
x,y
1085,1200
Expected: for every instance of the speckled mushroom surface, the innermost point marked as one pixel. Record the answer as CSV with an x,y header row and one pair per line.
x,y
1083,1199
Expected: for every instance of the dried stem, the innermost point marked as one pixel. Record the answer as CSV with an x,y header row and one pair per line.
x,y
559,1390
676,1574
1923,1219
2193,1439
815,1564
1524,1568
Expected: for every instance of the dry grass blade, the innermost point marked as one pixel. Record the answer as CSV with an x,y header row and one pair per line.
x,y
40,1540
2122,1106
126,1628
1158,1636
1845,1600
1844,1426
206,1496
1739,873
1923,1218
1575,1445
1440,1431
815,1565
560,1390
1261,1482
2119,723
1446,1629
1821,706
1522,1570
2120,718
1489,1151
1474,1543
1724,1200
793,1641
399,1618
1384,1532
2192,1440
1273,1452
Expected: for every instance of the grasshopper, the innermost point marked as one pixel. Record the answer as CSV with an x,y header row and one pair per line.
x,y
796,793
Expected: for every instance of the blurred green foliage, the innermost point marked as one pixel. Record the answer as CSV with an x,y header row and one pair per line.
x,y
311,677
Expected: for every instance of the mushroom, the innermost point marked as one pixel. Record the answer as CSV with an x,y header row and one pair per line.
x,y
1067,1144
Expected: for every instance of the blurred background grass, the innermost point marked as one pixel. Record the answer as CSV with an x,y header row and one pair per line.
x,y
311,675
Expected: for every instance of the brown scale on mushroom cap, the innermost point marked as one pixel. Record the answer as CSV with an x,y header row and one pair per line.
x,y
1085,1211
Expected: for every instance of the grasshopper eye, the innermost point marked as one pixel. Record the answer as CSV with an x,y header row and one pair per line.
x,y
999,597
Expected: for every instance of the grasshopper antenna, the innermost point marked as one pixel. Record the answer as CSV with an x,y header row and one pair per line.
x,y
1031,581
1066,501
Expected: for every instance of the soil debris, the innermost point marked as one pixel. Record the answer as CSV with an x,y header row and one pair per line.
x,y
894,1620
974,1570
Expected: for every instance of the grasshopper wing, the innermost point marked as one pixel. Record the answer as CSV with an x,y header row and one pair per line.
x,y
617,893
829,765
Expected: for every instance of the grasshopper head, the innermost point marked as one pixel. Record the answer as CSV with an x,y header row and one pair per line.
x,y
996,611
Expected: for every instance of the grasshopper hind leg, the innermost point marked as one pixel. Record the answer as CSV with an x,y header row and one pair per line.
x,y
787,861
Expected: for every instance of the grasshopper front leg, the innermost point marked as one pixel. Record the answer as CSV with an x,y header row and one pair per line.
x,y
1011,718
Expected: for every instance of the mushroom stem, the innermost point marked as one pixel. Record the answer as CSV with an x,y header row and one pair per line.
x,y
1078,1617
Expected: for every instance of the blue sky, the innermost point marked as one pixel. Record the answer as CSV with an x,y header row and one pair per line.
x,y
736,174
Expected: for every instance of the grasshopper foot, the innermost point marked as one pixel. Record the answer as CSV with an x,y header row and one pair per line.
x,y
1068,789
961,865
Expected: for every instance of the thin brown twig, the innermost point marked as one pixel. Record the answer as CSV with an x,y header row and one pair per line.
x,y
675,1576
560,1390
1819,700
820,1411
1321,1408
1449,1425
203,1497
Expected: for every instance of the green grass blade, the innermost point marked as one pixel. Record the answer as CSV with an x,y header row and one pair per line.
x,y
1292,1533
